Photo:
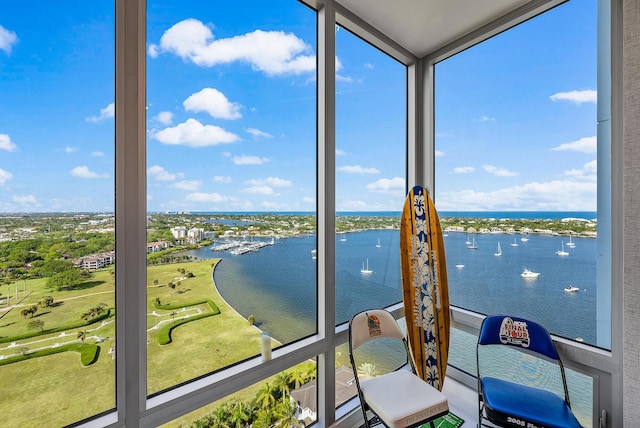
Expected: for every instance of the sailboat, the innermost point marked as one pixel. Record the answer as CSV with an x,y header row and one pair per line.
x,y
562,252
473,245
514,243
571,244
378,245
366,271
499,253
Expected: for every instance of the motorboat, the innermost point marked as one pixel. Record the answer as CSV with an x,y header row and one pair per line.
x,y
571,289
526,273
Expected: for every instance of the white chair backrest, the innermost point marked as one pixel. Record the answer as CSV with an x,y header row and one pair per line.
x,y
373,324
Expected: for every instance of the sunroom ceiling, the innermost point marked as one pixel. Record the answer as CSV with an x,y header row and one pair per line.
x,y
423,26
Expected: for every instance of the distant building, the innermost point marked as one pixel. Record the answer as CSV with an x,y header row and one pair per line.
x,y
179,232
154,247
195,235
96,261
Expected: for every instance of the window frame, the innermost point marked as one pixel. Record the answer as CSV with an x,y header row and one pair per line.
x,y
133,406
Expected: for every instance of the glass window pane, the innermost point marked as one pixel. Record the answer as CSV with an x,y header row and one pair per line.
x,y
516,154
370,175
286,399
231,173
57,330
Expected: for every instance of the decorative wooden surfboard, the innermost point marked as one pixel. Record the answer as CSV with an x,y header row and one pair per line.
x,y
424,286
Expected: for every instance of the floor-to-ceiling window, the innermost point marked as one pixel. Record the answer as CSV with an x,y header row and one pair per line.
x,y
57,335
516,140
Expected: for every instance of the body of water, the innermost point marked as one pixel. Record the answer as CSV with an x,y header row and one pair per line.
x,y
277,284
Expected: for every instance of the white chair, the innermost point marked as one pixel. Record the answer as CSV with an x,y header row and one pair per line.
x,y
399,398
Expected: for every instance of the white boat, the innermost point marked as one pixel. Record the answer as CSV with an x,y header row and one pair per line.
x,y
562,252
468,242
378,245
571,289
499,253
366,271
459,266
314,253
514,243
571,244
524,239
526,273
473,245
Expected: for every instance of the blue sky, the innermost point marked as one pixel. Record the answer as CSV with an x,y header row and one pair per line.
x,y
231,112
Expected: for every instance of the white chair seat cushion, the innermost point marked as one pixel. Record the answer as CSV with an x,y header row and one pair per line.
x,y
402,399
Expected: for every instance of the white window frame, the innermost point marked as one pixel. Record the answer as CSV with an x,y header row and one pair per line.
x,y
134,408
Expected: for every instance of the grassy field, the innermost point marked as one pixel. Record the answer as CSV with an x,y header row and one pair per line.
x,y
56,386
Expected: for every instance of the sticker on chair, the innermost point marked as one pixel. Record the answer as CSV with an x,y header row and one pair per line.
x,y
514,333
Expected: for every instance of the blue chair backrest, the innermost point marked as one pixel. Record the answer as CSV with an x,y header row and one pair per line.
x,y
519,333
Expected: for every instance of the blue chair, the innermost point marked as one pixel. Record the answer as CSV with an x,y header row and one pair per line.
x,y
521,379
400,398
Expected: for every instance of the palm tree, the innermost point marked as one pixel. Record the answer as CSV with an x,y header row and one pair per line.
x,y
265,397
156,282
281,384
82,335
241,413
286,415
297,378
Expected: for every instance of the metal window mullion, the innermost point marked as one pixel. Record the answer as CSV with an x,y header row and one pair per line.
x,y
130,202
326,258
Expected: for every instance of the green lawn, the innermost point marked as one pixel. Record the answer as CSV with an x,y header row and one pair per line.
x,y
57,385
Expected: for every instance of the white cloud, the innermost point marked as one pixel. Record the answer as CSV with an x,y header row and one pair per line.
x,y
222,179
309,200
194,134
105,113
271,52
500,172
8,38
258,133
340,152
159,173
25,199
6,143
214,102
206,197
165,117
387,185
463,169
584,145
85,172
439,153
70,149
97,154
589,171
249,160
188,185
357,169
5,176
261,190
557,195
270,181
577,97
486,119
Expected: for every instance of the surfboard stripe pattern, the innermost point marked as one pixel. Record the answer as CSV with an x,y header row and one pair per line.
x,y
425,291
